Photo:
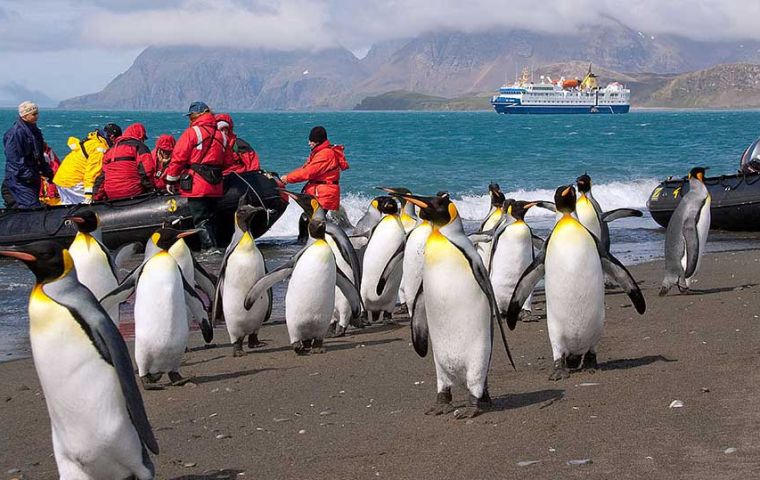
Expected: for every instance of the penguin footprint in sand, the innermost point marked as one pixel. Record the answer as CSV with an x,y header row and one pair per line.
x,y
310,298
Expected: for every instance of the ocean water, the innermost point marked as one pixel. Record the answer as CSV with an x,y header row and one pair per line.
x,y
461,152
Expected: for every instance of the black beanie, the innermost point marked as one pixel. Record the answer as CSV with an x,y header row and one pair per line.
x,y
112,129
318,135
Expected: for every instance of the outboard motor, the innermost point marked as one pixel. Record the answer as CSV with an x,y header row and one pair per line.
x,y
750,162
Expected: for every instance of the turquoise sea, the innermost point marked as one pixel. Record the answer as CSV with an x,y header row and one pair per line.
x,y
626,156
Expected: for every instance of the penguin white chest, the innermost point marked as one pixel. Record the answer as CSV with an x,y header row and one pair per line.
x,y
574,289
458,312
386,239
588,215
414,260
88,413
513,254
161,327
92,265
310,299
245,266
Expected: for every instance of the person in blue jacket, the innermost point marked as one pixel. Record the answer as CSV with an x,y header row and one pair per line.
x,y
25,163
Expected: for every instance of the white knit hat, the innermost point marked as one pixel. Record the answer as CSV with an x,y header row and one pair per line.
x,y
26,108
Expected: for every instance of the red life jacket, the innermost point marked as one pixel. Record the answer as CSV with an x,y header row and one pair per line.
x,y
127,167
199,155
322,174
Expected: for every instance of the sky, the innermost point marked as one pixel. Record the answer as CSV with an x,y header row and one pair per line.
x,y
64,48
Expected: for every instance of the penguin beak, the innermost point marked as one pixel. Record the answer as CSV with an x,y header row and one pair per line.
x,y
187,233
566,191
528,206
415,200
19,255
75,219
303,201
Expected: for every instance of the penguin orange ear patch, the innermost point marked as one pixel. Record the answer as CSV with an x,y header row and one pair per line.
x,y
453,213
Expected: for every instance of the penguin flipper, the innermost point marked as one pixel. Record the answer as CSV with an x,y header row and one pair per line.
x,y
124,290
623,277
528,280
538,242
125,252
619,213
691,238
390,268
265,283
216,303
350,292
197,309
419,326
106,338
480,237
346,250
546,205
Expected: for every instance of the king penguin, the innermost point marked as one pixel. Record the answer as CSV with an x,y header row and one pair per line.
x,y
310,297
573,263
511,253
162,300
346,260
383,259
96,268
460,309
98,420
686,235
407,215
242,266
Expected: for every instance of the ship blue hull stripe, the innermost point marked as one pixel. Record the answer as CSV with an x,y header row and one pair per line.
x,y
561,109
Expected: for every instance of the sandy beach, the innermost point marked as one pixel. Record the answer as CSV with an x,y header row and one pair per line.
x,y
356,412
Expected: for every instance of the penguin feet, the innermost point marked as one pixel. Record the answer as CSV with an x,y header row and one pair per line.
x,y
589,362
560,370
388,318
485,399
253,341
317,346
401,309
442,405
300,348
472,409
331,329
149,381
573,362
237,348
177,380
526,316
339,331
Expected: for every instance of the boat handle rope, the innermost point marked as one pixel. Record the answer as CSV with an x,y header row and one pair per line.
x,y
757,177
257,195
729,187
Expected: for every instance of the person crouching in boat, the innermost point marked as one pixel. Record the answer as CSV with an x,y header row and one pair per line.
x,y
162,155
48,192
79,169
241,157
24,160
321,172
127,167
195,170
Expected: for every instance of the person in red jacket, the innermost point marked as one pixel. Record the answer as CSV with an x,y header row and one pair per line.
x,y
321,172
162,155
241,157
48,192
195,169
127,166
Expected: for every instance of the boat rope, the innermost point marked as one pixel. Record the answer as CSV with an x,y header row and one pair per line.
x,y
261,201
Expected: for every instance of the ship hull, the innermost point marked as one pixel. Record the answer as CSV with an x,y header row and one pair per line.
x,y
508,108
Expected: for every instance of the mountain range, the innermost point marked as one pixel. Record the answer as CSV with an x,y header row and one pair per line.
x,y
444,64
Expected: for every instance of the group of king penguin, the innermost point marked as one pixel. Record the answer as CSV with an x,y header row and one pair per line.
x,y
408,248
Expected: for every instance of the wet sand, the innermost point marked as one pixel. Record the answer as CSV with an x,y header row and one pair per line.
x,y
357,411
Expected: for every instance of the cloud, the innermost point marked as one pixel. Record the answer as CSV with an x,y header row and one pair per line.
x,y
317,24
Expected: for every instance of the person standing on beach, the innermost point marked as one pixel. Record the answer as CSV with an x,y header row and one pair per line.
x,y
79,169
25,163
195,170
321,172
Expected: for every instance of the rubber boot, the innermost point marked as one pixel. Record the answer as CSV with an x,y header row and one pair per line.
x,y
206,235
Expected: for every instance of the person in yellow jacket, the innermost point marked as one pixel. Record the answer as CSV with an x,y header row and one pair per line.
x,y
76,176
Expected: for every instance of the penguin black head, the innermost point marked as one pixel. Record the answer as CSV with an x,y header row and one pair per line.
x,y
438,210
307,202
317,228
564,198
387,205
396,191
519,208
508,203
584,183
86,221
698,173
244,216
497,196
165,237
46,259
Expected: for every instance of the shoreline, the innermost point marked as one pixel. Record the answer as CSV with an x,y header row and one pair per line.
x,y
357,411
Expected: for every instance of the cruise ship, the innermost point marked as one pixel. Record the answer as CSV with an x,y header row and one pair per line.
x,y
561,96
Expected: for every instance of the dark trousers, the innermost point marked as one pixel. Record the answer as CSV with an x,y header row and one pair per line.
x,y
21,196
203,210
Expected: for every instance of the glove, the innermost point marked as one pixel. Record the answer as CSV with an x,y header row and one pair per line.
x,y
171,188
87,199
